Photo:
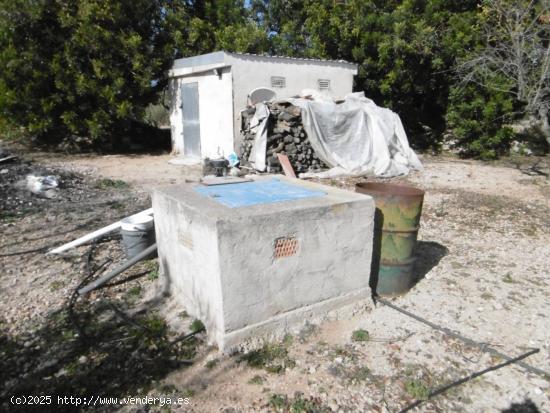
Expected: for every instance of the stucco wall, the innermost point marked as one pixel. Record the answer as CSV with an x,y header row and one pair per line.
x,y
189,261
215,112
333,259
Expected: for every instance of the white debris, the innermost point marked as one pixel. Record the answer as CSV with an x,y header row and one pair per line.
x,y
43,186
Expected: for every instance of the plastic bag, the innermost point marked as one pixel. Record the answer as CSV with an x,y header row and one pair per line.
x,y
43,186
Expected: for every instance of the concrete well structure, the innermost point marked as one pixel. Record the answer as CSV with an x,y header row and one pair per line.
x,y
255,270
209,91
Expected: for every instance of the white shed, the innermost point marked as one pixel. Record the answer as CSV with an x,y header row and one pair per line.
x,y
209,91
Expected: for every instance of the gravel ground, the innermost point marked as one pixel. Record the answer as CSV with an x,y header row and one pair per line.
x,y
52,342
483,259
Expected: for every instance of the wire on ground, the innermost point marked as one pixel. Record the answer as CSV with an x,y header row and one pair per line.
x,y
481,346
463,380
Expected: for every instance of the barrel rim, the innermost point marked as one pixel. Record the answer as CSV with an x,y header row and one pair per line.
x,y
137,223
382,188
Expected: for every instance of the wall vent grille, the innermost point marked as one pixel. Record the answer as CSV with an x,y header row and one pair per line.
x,y
285,247
324,84
278,81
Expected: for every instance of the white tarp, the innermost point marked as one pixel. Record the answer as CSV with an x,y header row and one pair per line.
x,y
258,124
356,137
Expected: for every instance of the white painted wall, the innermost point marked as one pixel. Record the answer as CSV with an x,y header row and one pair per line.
x,y
215,112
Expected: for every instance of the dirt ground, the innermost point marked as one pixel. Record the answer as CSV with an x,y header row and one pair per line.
x,y
483,262
141,170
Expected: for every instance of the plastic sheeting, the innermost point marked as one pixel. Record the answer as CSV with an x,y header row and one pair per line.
x,y
355,138
258,124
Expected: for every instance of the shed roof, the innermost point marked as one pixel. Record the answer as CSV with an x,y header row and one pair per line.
x,y
220,57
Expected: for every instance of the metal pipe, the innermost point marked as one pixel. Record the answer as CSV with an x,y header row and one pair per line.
x,y
131,262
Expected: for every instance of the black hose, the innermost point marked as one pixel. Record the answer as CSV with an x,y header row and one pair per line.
x,y
40,249
468,378
74,296
481,346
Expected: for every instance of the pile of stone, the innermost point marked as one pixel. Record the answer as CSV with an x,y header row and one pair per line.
x,y
286,135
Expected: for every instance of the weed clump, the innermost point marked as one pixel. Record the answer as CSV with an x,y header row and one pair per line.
x,y
197,326
211,364
360,335
273,357
296,404
111,183
417,389
256,380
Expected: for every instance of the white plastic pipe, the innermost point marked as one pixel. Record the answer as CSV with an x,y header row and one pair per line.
x,y
96,234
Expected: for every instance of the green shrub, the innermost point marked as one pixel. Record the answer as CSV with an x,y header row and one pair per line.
x,y
477,118
80,71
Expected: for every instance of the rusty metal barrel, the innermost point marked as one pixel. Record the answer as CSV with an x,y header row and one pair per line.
x,y
397,221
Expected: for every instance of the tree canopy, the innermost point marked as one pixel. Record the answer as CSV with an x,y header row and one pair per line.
x,y
81,71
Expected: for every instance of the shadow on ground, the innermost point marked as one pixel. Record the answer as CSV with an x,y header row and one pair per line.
x,y
527,406
428,254
95,351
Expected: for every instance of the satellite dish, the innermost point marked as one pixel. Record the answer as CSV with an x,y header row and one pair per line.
x,y
261,94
